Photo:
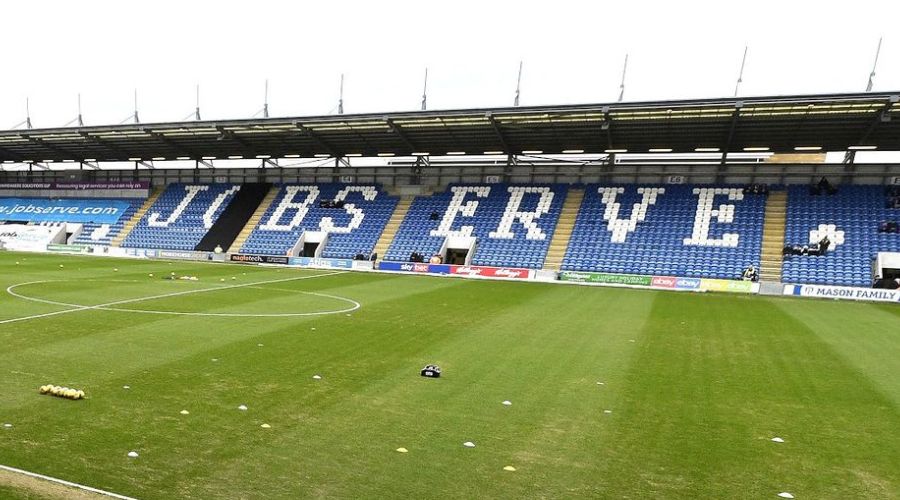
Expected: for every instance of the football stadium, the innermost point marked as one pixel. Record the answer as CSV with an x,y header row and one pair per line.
x,y
676,298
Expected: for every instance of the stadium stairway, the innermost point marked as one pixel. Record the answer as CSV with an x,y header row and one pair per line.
x,y
117,241
254,219
564,228
234,218
774,222
393,225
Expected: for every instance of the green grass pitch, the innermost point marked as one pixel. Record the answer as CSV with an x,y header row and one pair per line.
x,y
694,386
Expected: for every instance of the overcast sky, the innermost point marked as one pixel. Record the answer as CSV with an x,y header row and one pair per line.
x,y
572,52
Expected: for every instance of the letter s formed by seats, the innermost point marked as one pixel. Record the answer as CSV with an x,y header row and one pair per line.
x,y
357,215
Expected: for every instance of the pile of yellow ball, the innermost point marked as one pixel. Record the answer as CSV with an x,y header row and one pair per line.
x,y
63,392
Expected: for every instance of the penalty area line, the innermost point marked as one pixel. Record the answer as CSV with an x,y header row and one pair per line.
x,y
65,483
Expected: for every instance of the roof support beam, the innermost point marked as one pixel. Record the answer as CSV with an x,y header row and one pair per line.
x,y
322,143
8,155
122,155
396,129
606,127
228,134
44,144
179,150
735,116
498,132
884,115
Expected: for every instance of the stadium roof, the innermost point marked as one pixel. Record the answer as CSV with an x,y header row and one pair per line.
x,y
778,124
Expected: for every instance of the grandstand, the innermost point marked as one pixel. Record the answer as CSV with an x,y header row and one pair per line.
x,y
659,214
669,230
287,378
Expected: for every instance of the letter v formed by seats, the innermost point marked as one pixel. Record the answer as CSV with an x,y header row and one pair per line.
x,y
620,228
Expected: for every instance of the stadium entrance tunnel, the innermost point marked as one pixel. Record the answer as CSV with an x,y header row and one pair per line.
x,y
457,256
274,299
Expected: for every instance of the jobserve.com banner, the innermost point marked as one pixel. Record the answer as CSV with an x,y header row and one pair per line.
x,y
46,210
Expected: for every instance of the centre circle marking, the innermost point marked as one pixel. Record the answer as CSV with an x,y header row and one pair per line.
x,y
354,305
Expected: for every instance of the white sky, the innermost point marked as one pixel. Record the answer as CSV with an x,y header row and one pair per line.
x,y
572,50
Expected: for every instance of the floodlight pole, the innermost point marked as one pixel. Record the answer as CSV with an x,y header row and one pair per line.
x,y
740,79
28,112
874,65
27,121
266,102
197,109
341,97
134,114
425,92
80,121
136,119
518,86
622,85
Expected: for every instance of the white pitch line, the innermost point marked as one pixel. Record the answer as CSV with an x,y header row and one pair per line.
x,y
36,316
65,483
79,307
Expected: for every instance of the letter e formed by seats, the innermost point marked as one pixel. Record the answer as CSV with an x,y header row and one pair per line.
x,y
457,207
724,214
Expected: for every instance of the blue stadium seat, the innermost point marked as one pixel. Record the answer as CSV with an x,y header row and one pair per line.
x,y
518,247
181,216
349,234
93,233
852,215
666,230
